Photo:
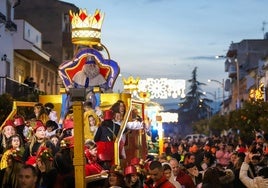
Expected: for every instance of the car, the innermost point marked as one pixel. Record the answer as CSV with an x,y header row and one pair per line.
x,y
196,138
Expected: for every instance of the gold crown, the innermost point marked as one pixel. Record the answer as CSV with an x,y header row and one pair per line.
x,y
86,29
131,81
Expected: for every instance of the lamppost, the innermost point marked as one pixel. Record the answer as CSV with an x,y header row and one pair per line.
x,y
222,86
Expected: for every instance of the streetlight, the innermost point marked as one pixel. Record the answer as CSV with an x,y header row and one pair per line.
x,y
222,86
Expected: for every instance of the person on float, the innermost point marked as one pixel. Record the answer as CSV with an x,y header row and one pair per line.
x,y
63,162
136,123
51,127
44,164
40,113
20,127
14,143
92,127
157,177
89,116
9,174
140,167
52,114
105,137
132,177
115,178
37,140
92,166
7,130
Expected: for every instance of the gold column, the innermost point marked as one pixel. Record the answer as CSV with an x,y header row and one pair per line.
x,y
79,161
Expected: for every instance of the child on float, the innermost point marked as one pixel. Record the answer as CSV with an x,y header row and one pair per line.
x,y
37,140
132,177
7,130
9,175
14,143
40,113
105,137
44,164
92,166
92,127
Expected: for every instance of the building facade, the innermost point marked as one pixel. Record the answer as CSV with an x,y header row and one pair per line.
x,y
37,38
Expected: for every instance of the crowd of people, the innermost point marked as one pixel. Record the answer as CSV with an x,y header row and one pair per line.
x,y
37,152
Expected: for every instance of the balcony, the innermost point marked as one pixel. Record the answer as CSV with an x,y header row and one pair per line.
x,y
18,91
11,26
2,18
232,71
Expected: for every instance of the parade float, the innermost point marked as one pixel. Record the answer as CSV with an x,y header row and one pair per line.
x,y
90,76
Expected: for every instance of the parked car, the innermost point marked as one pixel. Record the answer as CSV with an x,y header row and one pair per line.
x,y
196,138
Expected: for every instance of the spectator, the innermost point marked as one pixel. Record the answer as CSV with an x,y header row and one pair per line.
x,y
28,177
170,175
183,178
157,177
261,181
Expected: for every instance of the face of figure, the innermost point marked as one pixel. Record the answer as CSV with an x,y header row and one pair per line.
x,y
40,132
134,178
122,108
54,140
91,70
193,171
92,121
206,160
167,173
8,131
175,167
93,151
118,117
233,158
113,179
37,110
156,174
15,142
27,178
191,159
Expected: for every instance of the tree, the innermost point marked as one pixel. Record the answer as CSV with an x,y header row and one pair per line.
x,y
6,104
194,106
